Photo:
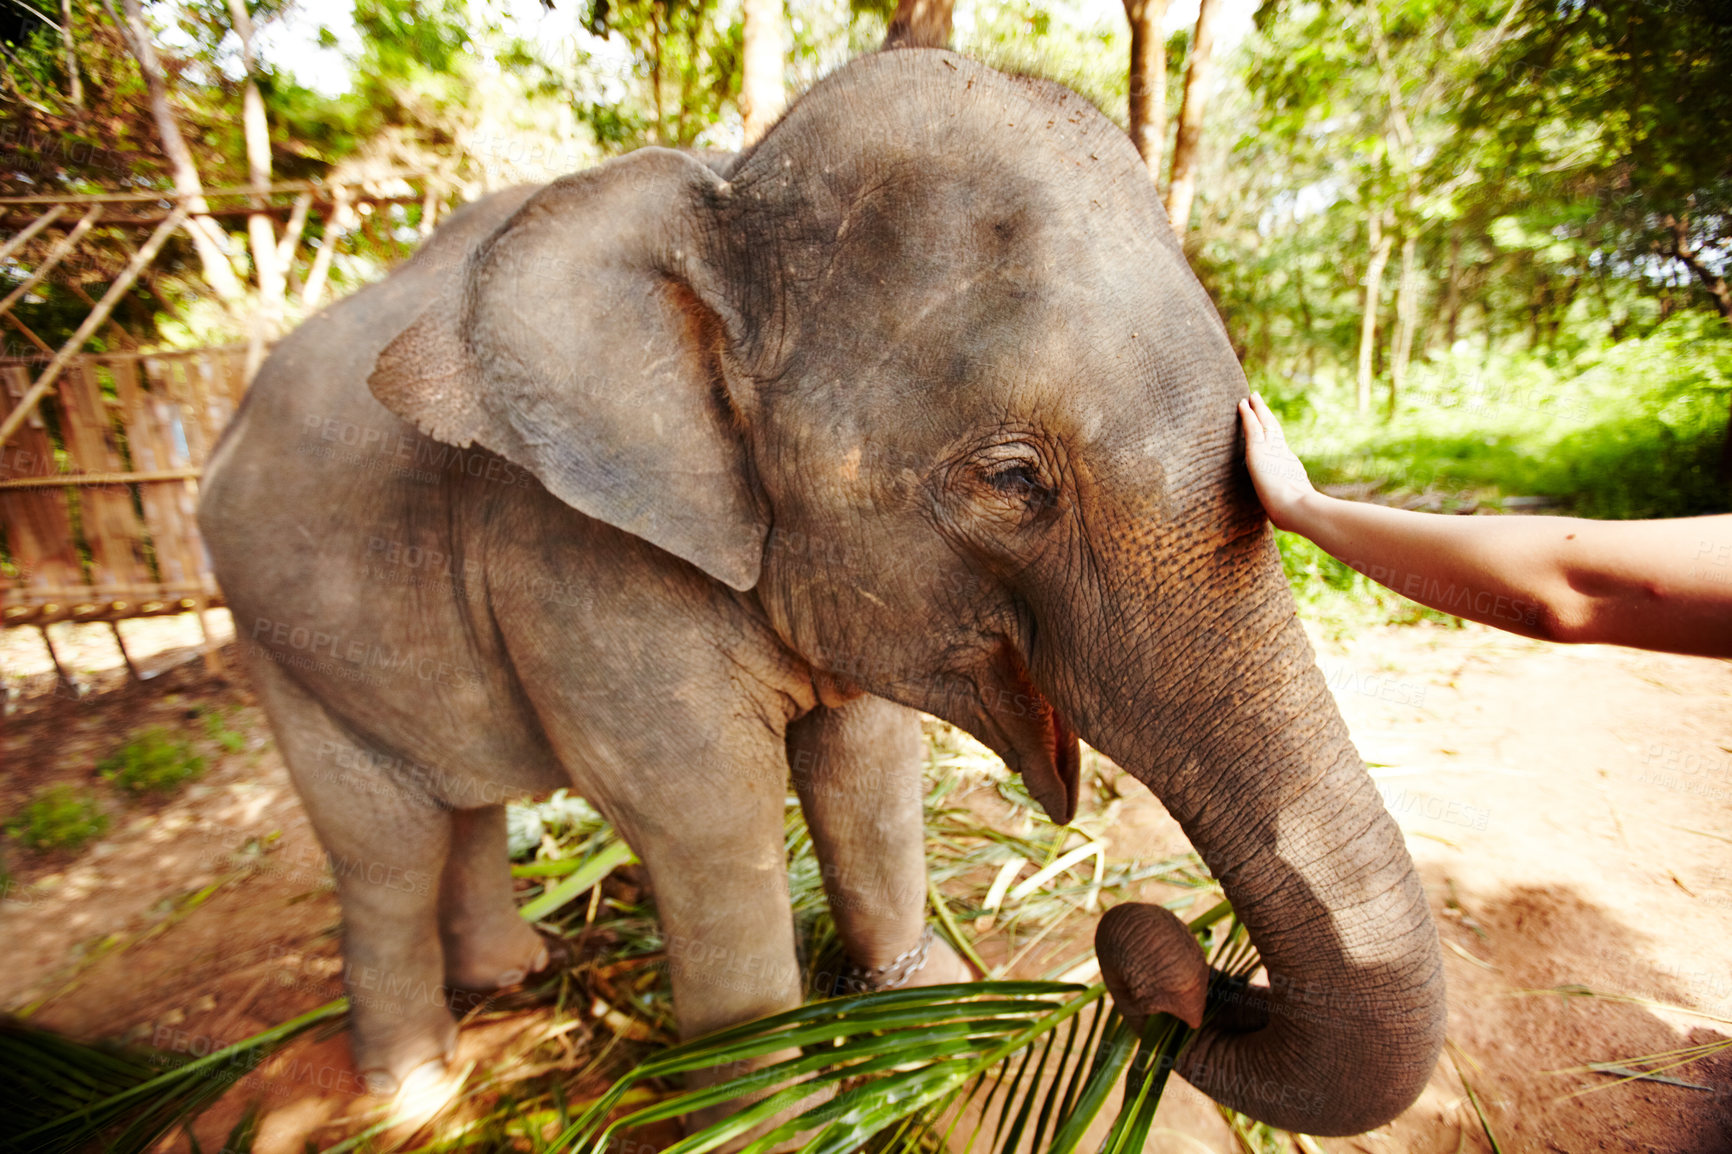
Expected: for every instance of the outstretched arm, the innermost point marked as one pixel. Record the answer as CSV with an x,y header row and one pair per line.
x,y
1650,584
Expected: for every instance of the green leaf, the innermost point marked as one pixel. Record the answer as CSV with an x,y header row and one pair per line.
x,y
75,1093
582,879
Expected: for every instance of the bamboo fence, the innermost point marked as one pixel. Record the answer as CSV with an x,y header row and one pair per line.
x,y
100,454
99,483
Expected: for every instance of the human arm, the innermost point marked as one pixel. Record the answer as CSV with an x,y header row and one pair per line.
x,y
1664,584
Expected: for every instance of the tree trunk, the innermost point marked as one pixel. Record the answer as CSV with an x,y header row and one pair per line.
x,y
698,15
656,72
206,235
761,67
1687,255
1561,309
1452,289
1720,293
74,82
261,234
919,24
342,216
1148,81
1379,243
1185,145
1406,316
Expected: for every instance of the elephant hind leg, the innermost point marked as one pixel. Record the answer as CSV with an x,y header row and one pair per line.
x,y
387,847
487,945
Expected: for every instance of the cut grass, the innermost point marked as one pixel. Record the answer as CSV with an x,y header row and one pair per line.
x,y
1659,1067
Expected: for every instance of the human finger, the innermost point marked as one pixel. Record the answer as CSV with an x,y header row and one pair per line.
x,y
1248,418
1266,418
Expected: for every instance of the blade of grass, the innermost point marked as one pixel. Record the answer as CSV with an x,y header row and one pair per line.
x,y
580,880
1630,1075
1473,1099
956,936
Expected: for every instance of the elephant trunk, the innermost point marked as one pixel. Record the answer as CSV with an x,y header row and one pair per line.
x,y
1240,739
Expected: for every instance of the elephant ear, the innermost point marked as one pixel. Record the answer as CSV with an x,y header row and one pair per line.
x,y
582,342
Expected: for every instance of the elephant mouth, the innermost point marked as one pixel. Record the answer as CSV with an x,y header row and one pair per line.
x,y
1024,728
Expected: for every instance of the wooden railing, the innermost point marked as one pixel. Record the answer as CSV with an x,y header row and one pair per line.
x,y
98,486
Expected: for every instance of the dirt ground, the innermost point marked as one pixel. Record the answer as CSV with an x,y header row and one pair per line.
x,y
1570,811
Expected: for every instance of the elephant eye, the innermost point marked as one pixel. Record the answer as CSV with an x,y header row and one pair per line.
x,y
1003,486
1016,479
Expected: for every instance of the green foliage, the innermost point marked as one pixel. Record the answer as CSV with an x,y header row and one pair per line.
x,y
217,729
71,1094
1624,106
1028,37
414,68
1624,430
687,61
1632,429
152,760
59,817
1562,177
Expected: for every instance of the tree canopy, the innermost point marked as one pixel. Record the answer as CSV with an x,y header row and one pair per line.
x,y
1382,187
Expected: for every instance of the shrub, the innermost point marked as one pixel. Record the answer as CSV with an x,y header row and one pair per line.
x,y
152,760
217,729
1627,430
59,817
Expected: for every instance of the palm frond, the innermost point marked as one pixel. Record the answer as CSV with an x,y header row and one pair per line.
x,y
71,1093
1000,1061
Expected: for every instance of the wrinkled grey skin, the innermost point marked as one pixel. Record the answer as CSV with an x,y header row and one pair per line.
x,y
916,402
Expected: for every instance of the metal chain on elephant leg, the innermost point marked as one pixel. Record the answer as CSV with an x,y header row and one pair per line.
x,y
891,975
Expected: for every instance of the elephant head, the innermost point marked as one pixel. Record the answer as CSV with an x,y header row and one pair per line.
x,y
925,376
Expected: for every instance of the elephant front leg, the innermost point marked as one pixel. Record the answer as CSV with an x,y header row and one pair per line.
x,y
721,886
387,846
856,767
716,860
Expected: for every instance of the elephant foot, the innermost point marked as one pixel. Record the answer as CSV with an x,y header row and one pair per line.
x,y
409,1060
414,1098
482,963
943,967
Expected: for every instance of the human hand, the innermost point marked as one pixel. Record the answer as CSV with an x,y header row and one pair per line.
x,y
1279,476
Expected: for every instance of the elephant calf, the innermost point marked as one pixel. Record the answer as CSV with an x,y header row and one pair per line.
x,y
662,477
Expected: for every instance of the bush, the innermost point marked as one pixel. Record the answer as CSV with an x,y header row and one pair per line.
x,y
152,760
1627,430
1621,431
217,729
59,817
